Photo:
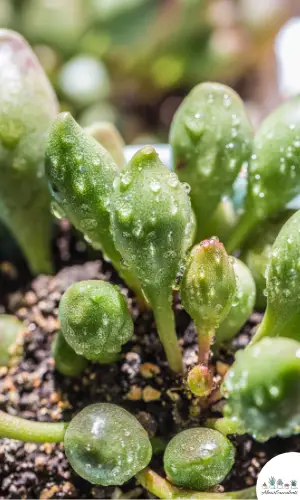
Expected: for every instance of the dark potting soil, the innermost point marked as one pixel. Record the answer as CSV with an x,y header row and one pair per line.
x,y
141,382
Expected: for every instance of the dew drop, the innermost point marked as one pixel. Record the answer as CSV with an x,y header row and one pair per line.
x,y
187,187
173,180
155,186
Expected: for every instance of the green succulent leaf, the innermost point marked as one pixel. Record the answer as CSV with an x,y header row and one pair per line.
x,y
95,320
242,304
27,108
81,175
208,284
211,138
107,445
258,254
274,169
263,389
198,458
152,225
282,316
67,361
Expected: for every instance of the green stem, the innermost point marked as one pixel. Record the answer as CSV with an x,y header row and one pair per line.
x,y
165,323
12,427
244,226
205,338
163,489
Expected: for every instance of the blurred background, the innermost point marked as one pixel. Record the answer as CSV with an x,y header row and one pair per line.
x,y
132,61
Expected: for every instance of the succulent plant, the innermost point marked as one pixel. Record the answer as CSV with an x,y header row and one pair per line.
x,y
10,329
152,225
262,389
242,304
95,320
211,137
207,290
274,169
198,458
81,175
282,316
28,107
107,445
110,138
66,360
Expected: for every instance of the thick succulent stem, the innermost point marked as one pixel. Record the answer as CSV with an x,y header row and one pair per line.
x,y
162,488
205,339
199,378
165,322
12,427
242,230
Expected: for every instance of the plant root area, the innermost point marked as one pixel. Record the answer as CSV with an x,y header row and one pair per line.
x,y
140,382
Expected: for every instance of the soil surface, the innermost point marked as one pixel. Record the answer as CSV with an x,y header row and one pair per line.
x,y
141,382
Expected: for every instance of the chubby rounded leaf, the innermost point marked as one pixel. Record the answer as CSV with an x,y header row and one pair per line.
x,y
107,445
95,320
263,389
211,138
198,458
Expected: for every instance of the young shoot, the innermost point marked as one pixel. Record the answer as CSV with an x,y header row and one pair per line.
x,y
67,362
107,445
282,316
198,458
242,304
262,389
274,169
207,290
95,320
81,175
27,108
152,225
211,138
10,330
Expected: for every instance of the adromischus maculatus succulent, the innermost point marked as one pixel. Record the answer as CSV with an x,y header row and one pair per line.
x,y
211,137
152,225
28,106
273,171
